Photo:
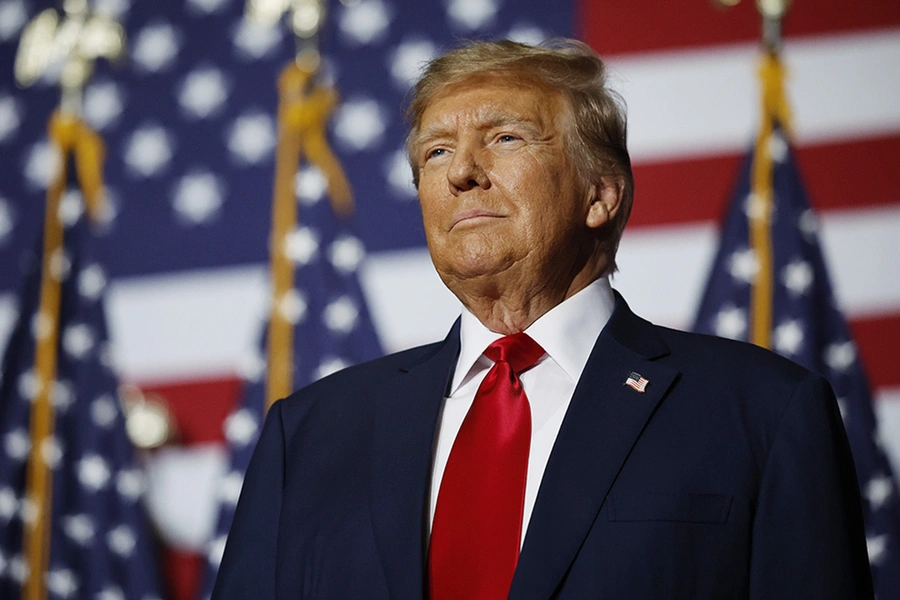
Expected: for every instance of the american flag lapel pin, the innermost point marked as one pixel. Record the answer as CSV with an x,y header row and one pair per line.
x,y
637,382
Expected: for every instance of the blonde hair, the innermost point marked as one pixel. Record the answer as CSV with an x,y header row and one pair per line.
x,y
596,138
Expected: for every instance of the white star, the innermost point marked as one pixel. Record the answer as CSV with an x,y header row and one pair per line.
x,y
399,175
148,150
102,104
71,207
51,452
207,7
809,225
251,366
60,265
241,427
42,163
110,592
365,22
292,306
878,490
341,315
130,483
203,93
472,14
778,148
93,472
788,337
743,265
29,509
18,569
731,322
104,411
252,138
112,8
61,582
7,220
526,34
155,47
9,504
797,276
230,488
757,207
79,528
62,395
329,365
17,444
301,245
10,117
121,541
840,355
256,40
78,340
12,17
359,124
346,253
91,281
198,197
877,547
310,185
216,549
29,385
409,60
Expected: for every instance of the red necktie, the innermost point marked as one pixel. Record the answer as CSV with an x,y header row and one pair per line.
x,y
477,524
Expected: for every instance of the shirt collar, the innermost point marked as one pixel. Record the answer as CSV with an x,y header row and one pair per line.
x,y
567,332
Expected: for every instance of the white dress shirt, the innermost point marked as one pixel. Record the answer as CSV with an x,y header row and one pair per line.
x,y
567,334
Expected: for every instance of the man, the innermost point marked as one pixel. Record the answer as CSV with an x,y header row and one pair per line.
x,y
595,455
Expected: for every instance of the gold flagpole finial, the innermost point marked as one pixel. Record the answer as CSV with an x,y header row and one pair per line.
x,y
772,13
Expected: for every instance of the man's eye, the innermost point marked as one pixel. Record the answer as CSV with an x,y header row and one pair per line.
x,y
435,153
506,137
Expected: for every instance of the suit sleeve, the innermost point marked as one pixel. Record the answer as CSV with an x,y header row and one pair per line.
x,y
247,571
808,533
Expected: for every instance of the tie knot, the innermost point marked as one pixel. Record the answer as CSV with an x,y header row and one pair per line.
x,y
518,349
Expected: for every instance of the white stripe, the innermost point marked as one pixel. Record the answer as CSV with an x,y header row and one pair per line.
x,y
702,102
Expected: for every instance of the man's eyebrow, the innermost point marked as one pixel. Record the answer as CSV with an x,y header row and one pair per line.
x,y
489,121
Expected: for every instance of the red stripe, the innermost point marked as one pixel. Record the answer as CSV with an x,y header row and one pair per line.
x,y
198,406
878,339
844,175
616,26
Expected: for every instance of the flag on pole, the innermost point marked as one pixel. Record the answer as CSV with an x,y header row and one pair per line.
x,y
769,285
95,541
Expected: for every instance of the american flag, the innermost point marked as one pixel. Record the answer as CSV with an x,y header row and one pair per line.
x,y
808,328
636,382
101,545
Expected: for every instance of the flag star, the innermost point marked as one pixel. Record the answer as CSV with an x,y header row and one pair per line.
x,y
121,540
110,592
155,47
731,322
808,223
310,185
341,315
93,472
29,509
79,528
216,549
17,444
42,163
7,221
301,245
757,207
60,265
61,582
78,340
112,8
9,504
743,265
198,197
878,490
778,147
256,40
148,150
472,14
10,117
51,451
13,16
203,92
102,104
230,488
328,366
877,548
365,22
241,427
292,306
526,34
399,175
409,59
252,366
788,337
29,385
797,277
207,7
359,124
71,207
18,569
346,253
104,411
840,355
91,281
62,394
252,138
130,483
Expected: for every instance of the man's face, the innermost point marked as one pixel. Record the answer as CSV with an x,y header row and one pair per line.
x,y
497,188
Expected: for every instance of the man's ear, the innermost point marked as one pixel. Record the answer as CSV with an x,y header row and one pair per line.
x,y
605,201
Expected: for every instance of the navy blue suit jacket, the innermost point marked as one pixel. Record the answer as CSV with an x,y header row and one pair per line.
x,y
729,478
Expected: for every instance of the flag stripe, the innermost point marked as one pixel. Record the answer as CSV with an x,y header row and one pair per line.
x,y
879,343
644,25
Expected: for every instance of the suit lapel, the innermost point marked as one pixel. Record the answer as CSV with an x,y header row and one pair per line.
x,y
604,420
405,425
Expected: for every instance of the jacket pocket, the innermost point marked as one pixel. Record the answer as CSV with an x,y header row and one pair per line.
x,y
676,507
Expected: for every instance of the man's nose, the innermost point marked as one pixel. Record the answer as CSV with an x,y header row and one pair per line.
x,y
467,170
